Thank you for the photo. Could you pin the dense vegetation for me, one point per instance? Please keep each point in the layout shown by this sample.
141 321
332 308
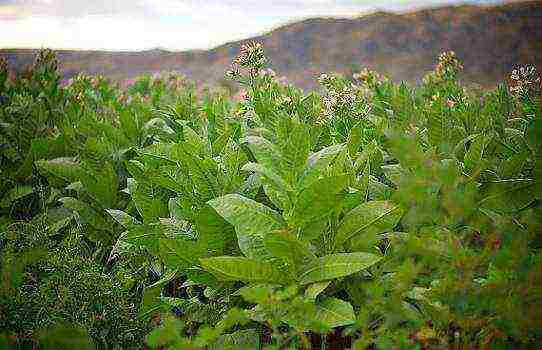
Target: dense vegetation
369 215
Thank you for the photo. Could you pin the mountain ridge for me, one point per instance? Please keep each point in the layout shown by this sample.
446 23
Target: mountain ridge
491 40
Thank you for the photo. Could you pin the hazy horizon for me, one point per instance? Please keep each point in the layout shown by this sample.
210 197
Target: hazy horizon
125 25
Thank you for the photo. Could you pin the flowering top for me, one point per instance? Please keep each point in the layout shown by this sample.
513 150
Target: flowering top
251 55
524 79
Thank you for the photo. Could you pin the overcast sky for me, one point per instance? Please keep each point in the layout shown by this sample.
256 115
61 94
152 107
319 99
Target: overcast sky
169 24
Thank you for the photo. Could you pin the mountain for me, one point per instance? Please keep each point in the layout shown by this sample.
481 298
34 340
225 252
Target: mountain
491 41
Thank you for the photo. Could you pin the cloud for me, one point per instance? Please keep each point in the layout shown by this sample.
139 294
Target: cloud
172 24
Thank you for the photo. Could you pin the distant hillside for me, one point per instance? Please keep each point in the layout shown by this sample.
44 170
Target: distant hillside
490 40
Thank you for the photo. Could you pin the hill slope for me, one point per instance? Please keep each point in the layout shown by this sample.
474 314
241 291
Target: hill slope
490 40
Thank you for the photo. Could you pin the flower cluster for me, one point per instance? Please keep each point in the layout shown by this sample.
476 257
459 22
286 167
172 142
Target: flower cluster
46 60
447 68
369 78
524 79
251 57
341 95
448 61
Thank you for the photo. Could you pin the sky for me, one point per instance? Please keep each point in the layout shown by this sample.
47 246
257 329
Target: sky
130 25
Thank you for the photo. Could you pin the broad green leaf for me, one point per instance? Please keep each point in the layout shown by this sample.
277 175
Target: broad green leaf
474 158
284 245
252 222
178 253
313 290
508 195
16 193
317 163
265 152
233 268
63 170
319 199
146 236
242 339
149 201
126 220
202 171
295 152
98 175
369 219
335 312
214 233
372 153
355 139
273 177
337 265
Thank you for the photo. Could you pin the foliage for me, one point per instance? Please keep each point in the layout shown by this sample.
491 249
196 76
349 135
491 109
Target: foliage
382 214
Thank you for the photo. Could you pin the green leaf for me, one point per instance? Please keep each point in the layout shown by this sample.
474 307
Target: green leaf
14 194
265 152
337 265
317 162
149 201
282 244
64 170
252 222
508 195
369 219
151 302
355 139
313 290
202 171
214 233
126 220
295 152
319 199
335 312
233 268
271 176
474 158
533 134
